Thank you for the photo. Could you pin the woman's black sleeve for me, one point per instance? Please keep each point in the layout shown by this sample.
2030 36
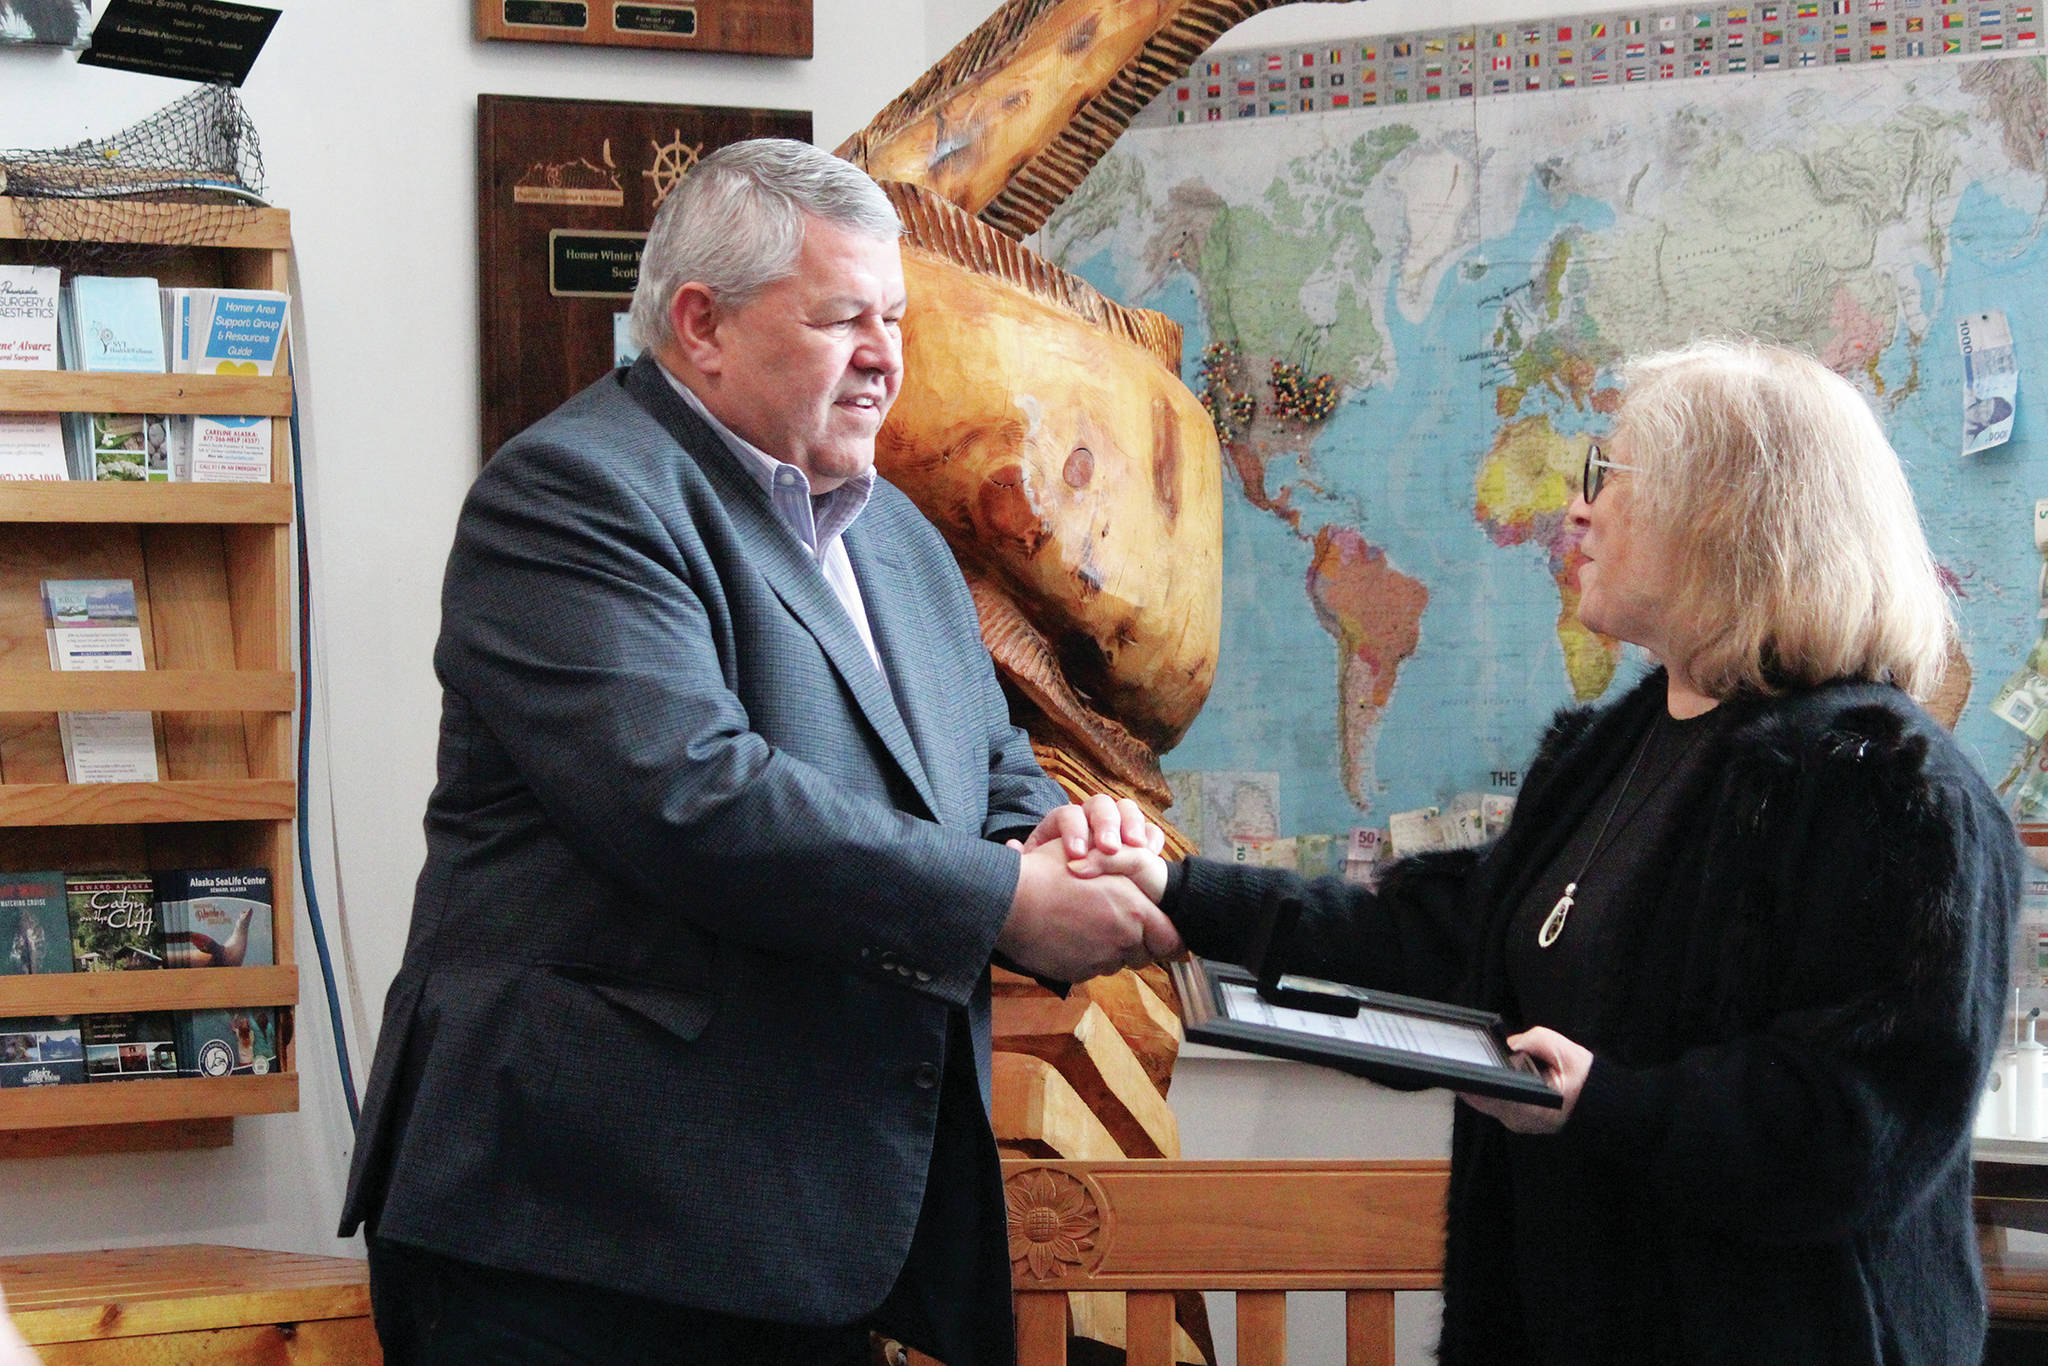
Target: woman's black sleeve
1414 935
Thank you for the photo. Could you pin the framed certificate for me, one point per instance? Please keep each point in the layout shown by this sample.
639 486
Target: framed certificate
566 191
1395 1039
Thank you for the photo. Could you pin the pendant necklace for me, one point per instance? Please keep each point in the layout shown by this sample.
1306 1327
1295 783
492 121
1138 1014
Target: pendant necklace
1553 924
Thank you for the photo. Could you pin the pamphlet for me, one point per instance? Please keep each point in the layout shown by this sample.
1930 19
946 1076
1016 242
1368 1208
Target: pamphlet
35 926
216 917
130 1046
224 332
93 626
113 922
31 444
41 1051
28 317
114 324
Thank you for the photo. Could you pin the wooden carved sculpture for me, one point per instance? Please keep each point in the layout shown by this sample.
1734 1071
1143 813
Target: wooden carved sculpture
1043 427
1045 430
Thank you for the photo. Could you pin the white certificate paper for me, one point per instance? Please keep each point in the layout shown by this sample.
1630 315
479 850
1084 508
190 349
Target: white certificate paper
1377 1028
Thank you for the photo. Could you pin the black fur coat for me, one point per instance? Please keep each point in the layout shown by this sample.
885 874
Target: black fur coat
1790 1039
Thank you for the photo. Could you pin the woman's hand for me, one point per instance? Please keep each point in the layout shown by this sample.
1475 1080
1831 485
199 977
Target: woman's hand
1099 822
1565 1065
1142 866
1105 838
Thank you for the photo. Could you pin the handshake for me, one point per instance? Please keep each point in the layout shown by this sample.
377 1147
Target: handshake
1087 899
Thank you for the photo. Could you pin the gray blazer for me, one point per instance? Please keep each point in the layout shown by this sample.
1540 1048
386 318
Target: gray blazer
702 887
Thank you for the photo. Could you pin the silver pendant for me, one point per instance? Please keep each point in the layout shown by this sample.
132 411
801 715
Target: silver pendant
1553 924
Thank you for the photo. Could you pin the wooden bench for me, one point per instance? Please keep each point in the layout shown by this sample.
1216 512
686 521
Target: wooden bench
192 1304
1145 1229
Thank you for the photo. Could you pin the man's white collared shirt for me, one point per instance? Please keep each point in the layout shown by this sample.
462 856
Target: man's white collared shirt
818 522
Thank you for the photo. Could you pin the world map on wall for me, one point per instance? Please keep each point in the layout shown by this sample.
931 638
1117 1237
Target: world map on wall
1408 322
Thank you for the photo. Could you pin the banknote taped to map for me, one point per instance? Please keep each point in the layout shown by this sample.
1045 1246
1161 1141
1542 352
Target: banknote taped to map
2023 702
1991 380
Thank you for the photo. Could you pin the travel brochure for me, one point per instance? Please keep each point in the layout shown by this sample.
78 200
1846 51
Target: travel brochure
123 922
127 324
93 626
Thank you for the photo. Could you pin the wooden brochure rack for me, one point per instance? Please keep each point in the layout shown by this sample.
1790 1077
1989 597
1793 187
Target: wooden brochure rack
211 565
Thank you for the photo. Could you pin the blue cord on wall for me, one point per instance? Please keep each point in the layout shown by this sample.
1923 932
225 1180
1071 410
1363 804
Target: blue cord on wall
348 1081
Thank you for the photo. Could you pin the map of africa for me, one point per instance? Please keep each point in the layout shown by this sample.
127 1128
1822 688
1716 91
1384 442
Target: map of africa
1399 583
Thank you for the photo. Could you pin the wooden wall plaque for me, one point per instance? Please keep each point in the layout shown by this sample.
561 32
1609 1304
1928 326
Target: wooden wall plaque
566 190
763 28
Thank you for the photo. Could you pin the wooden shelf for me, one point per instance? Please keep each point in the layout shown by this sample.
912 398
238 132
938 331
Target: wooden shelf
248 228
63 500
87 1140
130 1102
212 566
92 993
204 799
69 391
172 690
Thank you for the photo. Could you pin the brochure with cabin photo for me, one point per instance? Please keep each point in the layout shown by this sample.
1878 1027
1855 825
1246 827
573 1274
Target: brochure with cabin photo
113 922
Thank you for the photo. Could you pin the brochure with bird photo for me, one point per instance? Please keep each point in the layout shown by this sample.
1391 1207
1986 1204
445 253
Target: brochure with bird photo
215 917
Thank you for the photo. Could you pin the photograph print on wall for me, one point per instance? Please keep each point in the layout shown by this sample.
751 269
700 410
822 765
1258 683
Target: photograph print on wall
46 23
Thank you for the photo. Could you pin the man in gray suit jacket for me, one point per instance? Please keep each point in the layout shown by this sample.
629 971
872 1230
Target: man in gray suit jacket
688 1056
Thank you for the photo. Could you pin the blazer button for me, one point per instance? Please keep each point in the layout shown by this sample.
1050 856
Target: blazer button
926 1076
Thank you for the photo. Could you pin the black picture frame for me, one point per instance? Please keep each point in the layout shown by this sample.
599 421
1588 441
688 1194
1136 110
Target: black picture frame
1208 1018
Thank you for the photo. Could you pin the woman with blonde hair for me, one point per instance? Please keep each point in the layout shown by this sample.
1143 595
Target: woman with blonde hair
1752 918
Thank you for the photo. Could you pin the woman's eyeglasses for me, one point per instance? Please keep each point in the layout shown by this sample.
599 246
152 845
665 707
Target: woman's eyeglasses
1595 473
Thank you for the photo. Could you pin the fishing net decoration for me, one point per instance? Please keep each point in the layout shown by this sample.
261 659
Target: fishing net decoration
196 162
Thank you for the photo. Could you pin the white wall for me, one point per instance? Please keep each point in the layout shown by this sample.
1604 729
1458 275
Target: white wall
366 110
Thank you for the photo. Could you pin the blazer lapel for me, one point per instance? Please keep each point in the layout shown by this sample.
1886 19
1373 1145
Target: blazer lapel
789 569
895 602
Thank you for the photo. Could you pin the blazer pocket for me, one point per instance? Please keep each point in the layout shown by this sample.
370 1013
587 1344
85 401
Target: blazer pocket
682 1013
674 1010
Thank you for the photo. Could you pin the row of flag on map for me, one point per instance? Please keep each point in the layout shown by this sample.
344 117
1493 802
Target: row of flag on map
1618 48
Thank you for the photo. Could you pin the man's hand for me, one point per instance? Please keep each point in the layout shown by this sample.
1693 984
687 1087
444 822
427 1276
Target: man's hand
1071 929
1101 822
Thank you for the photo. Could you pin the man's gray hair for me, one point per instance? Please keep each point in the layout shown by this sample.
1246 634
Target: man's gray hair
736 223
